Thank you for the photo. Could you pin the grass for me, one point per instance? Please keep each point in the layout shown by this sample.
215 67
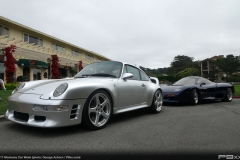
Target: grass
237 89
4 96
3 102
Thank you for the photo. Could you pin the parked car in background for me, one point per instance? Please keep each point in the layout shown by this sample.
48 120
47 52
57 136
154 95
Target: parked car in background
193 89
91 97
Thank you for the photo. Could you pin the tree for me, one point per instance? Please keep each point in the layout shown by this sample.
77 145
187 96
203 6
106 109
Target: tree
188 72
10 63
228 65
80 67
181 62
55 67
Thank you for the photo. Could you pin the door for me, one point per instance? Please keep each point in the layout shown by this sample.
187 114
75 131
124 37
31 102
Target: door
131 91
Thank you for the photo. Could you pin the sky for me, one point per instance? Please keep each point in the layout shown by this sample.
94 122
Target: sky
148 33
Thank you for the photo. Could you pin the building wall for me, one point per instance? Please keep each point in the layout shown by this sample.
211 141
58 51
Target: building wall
35 52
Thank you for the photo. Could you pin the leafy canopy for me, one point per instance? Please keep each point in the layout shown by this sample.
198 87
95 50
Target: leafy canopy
188 72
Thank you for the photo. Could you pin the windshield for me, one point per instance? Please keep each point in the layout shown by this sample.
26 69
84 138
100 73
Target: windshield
185 81
104 69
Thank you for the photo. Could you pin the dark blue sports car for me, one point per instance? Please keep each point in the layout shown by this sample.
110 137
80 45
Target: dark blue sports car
193 89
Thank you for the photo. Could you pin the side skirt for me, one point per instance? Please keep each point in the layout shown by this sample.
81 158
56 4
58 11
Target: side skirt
129 108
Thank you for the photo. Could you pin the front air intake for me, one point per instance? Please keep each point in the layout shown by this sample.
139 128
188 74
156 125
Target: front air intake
21 116
74 111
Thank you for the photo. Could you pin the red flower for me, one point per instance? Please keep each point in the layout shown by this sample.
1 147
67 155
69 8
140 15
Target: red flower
10 63
80 67
55 67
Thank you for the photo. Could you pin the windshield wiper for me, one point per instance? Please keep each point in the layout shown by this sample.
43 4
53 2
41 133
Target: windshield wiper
103 74
97 74
83 76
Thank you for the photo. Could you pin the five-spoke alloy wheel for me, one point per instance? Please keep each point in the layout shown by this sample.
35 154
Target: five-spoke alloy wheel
97 110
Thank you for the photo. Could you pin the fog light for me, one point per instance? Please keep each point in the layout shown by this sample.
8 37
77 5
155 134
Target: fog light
39 108
50 108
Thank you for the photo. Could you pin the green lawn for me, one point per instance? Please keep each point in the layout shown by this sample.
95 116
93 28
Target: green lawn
237 89
4 95
3 102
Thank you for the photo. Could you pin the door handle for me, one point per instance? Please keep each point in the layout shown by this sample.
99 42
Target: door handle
143 85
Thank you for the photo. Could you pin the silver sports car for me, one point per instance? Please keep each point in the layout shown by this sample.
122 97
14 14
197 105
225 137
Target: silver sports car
90 97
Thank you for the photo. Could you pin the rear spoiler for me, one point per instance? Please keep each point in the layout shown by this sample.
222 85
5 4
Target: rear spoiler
154 80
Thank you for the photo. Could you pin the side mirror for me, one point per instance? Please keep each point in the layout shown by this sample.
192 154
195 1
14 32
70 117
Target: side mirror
202 84
127 76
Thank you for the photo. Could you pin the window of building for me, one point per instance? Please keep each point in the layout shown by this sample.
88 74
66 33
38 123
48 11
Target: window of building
4 31
75 53
36 74
32 39
89 57
40 42
98 60
58 47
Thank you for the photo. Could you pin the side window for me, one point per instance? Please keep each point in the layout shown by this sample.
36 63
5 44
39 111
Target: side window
134 71
144 76
205 81
125 69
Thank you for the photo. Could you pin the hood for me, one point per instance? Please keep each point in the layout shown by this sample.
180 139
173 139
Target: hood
48 86
172 88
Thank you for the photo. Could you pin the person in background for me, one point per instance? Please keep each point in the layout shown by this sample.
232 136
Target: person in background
2 85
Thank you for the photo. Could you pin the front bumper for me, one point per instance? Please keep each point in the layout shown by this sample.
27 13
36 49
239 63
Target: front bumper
175 97
20 110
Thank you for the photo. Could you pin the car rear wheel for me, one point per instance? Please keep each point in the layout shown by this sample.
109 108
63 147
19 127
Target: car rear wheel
97 110
193 98
229 95
157 102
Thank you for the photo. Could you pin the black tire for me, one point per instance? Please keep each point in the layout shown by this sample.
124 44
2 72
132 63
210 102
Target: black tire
157 102
193 98
97 110
229 95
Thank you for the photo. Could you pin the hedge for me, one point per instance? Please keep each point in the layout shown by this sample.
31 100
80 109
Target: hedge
10 86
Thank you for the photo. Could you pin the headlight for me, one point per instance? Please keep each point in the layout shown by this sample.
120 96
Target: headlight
19 87
50 108
177 90
60 89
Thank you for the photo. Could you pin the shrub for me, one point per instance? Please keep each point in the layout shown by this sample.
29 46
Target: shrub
11 86
20 78
234 78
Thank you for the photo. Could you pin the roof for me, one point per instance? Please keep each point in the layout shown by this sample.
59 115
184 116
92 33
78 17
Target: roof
213 58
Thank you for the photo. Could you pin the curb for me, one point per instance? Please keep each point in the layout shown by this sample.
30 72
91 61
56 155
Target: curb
1 116
236 97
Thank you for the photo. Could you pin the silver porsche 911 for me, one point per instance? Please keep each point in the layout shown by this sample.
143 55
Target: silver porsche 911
90 97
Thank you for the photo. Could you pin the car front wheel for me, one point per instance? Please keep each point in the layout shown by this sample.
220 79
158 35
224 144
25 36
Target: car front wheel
157 102
97 110
193 98
229 95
